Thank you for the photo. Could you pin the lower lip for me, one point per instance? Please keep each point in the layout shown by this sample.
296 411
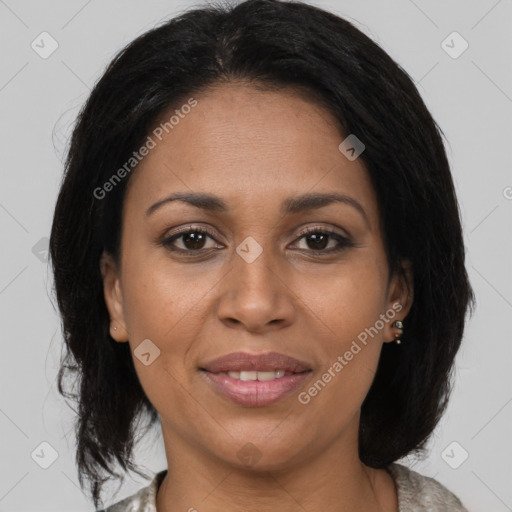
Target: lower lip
255 393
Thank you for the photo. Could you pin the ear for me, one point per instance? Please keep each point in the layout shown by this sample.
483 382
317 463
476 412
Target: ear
400 298
113 297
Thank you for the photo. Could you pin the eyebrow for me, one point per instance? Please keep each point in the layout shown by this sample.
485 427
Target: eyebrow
291 205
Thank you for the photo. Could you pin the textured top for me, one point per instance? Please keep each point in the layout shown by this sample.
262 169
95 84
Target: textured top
416 493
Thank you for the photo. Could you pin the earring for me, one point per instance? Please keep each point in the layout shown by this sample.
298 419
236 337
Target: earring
398 324
115 328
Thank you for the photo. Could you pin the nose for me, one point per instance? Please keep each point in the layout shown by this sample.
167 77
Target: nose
255 296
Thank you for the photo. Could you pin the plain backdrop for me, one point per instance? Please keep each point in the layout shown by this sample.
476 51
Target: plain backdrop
468 93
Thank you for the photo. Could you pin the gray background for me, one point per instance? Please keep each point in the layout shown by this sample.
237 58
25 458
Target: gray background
471 98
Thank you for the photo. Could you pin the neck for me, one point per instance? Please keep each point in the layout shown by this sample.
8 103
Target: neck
334 479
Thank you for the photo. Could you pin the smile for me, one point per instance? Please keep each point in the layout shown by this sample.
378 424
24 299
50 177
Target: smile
255 389
261 376
255 380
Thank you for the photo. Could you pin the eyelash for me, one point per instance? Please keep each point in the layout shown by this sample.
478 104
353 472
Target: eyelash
343 242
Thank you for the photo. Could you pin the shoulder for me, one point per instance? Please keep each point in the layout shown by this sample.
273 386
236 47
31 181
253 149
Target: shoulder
420 493
144 500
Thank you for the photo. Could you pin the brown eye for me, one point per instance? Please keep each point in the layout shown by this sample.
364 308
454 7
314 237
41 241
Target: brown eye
192 239
318 240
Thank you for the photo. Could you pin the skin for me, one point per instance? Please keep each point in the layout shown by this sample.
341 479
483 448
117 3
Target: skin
253 149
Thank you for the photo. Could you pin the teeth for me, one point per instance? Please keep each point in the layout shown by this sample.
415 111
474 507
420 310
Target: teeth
270 375
252 375
248 375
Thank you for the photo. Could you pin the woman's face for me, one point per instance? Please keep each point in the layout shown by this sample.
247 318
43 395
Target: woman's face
256 282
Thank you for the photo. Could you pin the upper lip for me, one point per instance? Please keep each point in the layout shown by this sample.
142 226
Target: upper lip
244 361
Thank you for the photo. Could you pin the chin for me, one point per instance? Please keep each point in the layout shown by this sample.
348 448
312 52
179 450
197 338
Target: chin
261 455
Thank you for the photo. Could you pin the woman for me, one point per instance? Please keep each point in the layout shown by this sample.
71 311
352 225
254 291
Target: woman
257 247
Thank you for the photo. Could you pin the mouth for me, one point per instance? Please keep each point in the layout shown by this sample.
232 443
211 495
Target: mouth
255 380
261 376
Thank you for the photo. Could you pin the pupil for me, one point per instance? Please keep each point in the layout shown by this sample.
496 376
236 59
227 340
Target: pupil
316 241
197 239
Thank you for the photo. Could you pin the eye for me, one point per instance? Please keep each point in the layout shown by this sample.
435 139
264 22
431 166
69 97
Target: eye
317 240
192 239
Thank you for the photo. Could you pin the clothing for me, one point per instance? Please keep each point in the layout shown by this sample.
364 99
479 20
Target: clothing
416 493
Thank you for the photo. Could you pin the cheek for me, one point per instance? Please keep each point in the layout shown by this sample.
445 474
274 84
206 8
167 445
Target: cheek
346 306
161 298
165 303
344 301
159 307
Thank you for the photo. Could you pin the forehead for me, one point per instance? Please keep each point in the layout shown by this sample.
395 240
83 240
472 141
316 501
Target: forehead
251 145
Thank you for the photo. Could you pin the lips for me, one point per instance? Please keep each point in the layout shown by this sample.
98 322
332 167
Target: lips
256 380
246 362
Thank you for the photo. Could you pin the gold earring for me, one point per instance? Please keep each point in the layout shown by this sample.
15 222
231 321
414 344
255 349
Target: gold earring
398 324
